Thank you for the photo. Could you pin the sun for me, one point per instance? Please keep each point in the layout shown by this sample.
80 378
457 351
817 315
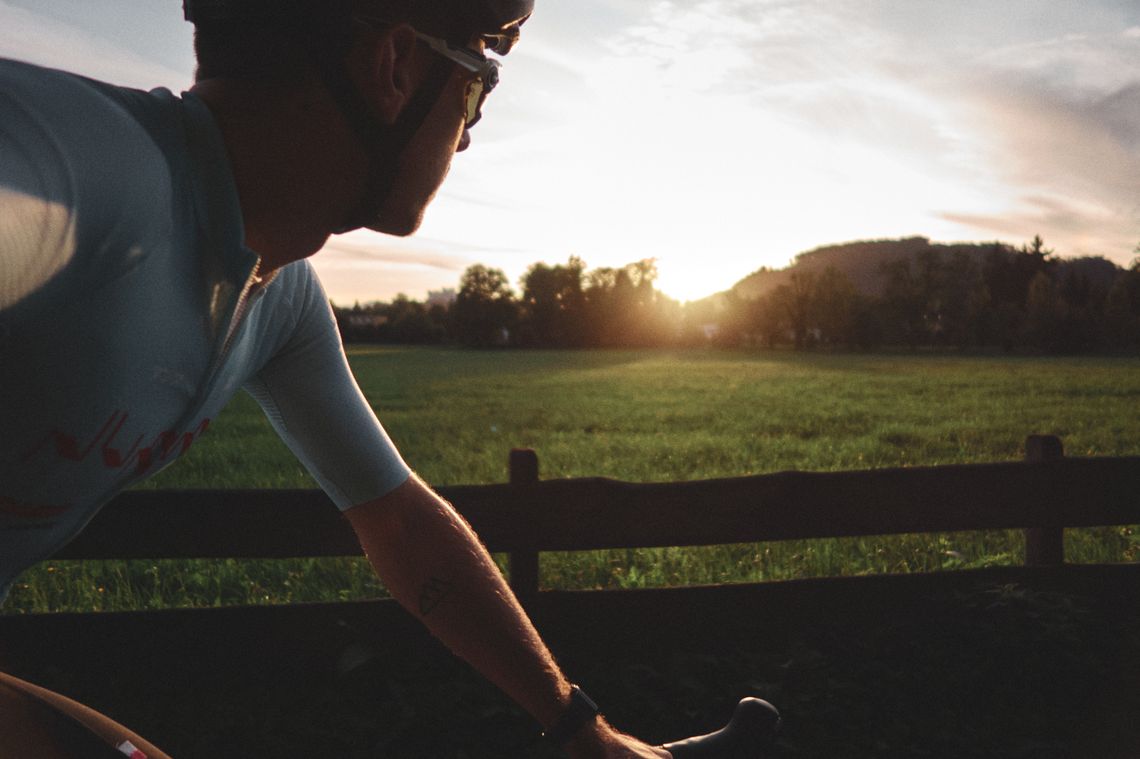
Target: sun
689 283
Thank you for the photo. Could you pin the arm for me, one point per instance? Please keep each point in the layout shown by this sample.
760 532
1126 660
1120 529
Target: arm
423 551
434 565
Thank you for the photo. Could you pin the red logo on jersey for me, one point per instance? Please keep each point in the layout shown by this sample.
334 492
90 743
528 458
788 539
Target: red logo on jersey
29 510
71 448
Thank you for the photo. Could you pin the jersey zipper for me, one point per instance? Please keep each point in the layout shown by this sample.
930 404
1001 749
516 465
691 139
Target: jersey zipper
235 320
211 379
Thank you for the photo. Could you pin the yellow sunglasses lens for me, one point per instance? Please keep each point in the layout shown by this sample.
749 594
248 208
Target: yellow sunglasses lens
474 100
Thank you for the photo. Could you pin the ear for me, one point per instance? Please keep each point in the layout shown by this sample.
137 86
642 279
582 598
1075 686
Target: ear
384 66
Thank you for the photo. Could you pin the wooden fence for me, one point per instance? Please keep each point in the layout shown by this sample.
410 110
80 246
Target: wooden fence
1042 495
255 660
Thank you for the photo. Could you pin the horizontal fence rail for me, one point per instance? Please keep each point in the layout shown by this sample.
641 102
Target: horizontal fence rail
1043 495
596 513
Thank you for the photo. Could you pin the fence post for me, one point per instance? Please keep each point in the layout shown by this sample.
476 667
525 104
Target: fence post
524 564
1044 546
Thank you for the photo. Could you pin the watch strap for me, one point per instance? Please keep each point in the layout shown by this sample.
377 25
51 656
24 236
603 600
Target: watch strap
581 711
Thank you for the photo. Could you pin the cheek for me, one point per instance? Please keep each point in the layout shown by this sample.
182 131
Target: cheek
450 137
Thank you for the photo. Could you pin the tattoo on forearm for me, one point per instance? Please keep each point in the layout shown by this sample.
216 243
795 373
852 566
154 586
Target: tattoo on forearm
433 593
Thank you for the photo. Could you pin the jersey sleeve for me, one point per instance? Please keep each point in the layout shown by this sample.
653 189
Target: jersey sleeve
311 398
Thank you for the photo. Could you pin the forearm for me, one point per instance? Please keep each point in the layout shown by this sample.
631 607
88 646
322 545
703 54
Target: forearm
434 565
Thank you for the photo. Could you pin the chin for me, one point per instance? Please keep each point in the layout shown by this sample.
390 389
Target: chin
398 227
400 222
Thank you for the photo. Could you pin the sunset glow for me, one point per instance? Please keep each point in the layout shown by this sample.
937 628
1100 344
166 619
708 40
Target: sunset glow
719 136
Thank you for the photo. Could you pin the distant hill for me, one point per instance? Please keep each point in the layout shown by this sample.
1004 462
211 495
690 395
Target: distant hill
863 263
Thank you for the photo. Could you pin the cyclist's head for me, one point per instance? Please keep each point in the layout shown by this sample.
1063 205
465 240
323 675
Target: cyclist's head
284 40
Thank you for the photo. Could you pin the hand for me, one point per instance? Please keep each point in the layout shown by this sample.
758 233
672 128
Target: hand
603 742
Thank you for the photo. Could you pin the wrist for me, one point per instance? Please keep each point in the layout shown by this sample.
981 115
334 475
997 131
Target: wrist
592 740
579 718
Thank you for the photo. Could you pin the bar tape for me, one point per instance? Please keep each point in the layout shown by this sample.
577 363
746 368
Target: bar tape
128 748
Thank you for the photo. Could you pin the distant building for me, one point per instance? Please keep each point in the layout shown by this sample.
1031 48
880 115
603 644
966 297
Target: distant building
366 320
443 297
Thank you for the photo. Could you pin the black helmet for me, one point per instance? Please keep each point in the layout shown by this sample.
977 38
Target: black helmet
505 16
496 21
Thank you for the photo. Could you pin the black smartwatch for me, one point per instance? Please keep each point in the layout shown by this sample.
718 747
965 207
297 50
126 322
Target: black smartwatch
581 711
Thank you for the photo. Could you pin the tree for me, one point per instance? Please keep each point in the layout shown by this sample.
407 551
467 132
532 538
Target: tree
834 303
1122 309
553 304
1045 314
796 301
768 318
963 298
1008 272
485 310
624 308
410 322
603 318
904 303
733 319
1037 249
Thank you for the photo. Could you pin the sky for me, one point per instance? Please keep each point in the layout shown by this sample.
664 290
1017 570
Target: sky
720 136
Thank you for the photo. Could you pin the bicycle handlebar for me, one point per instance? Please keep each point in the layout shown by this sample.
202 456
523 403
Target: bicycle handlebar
748 734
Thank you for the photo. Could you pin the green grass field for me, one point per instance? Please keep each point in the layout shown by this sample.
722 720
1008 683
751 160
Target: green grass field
652 416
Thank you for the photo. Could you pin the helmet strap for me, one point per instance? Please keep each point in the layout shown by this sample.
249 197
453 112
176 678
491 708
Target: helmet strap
384 143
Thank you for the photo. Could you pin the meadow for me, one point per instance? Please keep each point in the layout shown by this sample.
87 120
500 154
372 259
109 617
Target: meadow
652 416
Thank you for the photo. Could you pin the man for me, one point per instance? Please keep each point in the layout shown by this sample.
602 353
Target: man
152 263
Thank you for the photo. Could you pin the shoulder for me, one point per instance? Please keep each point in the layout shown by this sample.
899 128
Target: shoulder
67 134
303 295
292 307
299 288
82 173
42 102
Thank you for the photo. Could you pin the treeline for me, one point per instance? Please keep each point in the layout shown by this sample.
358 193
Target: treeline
403 321
974 297
913 295
560 306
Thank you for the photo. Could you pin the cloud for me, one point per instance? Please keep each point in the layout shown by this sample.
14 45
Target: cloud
752 45
364 266
1045 126
1049 216
1087 63
353 253
1079 148
1071 158
1119 113
476 198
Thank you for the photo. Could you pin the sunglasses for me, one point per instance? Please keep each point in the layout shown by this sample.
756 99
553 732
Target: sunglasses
478 88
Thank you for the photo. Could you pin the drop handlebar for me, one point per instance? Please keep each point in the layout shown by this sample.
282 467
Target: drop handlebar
748 735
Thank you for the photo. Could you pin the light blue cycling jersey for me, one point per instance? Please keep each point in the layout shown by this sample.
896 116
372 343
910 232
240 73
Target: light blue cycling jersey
130 312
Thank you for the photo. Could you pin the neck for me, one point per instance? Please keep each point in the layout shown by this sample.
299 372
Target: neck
295 163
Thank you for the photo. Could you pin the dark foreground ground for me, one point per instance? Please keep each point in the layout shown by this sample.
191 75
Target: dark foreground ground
1018 663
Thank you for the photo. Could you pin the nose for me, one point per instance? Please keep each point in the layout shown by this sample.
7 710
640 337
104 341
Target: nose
464 141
